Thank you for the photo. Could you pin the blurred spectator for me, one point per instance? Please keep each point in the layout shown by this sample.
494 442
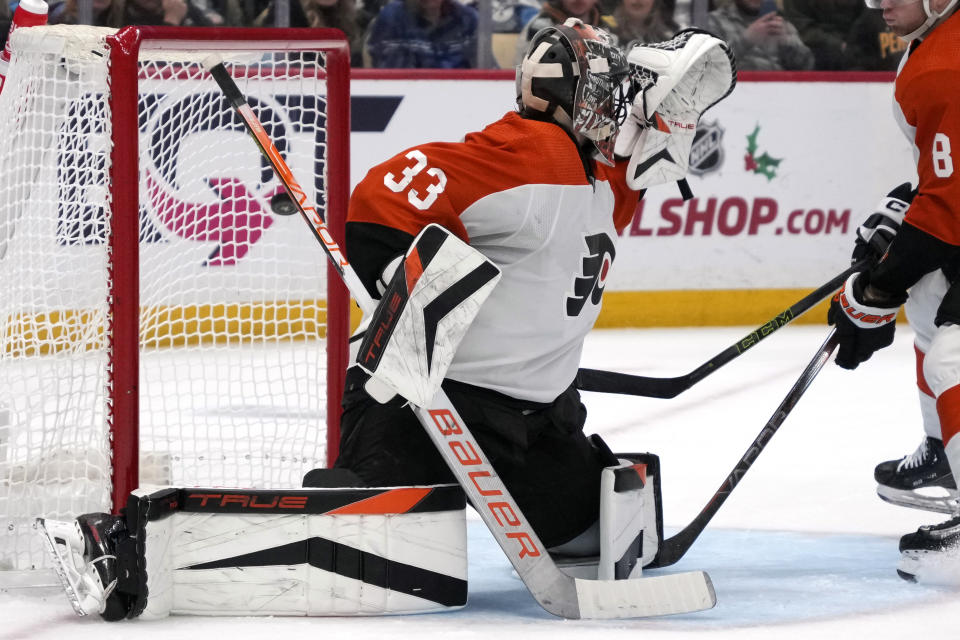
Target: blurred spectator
510 16
823 26
423 34
764 42
367 10
106 13
6 16
872 46
118 13
556 12
169 12
336 14
244 13
643 21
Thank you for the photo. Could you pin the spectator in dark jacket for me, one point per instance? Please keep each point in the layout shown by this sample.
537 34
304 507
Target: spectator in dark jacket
424 34
824 26
872 46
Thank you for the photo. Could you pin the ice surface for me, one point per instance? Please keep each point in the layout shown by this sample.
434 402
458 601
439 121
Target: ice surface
802 549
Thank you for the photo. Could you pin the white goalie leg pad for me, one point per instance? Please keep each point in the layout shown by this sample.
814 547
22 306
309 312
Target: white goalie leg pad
423 315
679 80
305 552
631 524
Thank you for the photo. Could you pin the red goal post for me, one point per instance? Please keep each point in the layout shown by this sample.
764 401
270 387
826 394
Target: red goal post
161 319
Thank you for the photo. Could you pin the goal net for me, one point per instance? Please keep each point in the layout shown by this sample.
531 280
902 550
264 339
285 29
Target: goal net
163 318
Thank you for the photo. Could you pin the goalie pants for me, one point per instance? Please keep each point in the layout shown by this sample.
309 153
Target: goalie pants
539 451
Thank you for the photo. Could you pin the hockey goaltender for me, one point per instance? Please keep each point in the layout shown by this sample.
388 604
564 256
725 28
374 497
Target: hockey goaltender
480 267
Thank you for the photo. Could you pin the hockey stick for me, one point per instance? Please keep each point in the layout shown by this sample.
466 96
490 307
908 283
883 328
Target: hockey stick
557 592
673 548
613 382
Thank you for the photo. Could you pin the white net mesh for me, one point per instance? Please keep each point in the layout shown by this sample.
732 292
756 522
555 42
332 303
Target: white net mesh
232 295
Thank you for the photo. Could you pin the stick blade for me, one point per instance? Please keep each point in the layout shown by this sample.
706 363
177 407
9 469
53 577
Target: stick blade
646 597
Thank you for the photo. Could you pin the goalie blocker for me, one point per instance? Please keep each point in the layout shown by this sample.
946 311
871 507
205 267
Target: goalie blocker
341 551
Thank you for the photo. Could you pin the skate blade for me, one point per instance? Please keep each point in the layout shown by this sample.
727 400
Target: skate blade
938 568
947 502
60 566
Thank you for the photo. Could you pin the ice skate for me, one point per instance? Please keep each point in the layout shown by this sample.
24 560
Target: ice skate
921 480
932 554
83 552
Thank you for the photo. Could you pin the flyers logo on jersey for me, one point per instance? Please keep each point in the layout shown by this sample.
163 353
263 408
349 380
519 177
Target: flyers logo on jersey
594 269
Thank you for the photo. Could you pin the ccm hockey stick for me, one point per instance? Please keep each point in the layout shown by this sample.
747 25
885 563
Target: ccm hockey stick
673 548
556 591
612 382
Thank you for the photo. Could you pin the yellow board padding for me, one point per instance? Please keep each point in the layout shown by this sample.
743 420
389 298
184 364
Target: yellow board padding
46 333
705 308
247 323
233 324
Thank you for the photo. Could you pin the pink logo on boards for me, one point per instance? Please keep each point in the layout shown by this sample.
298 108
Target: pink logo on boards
235 222
204 181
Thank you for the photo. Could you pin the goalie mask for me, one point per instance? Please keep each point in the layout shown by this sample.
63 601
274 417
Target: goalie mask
574 75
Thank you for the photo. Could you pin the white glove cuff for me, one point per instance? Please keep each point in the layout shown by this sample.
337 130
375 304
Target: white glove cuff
862 315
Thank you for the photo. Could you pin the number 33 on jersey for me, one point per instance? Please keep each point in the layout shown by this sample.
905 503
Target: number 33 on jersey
419 165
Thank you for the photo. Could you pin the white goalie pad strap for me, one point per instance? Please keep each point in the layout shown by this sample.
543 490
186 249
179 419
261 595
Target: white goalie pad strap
309 552
630 521
65 543
426 310
864 316
680 79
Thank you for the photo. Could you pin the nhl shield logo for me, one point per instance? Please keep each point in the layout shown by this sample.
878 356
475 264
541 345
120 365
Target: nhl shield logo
706 154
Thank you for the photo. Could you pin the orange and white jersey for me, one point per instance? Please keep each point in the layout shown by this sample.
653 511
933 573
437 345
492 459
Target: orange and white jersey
927 94
517 192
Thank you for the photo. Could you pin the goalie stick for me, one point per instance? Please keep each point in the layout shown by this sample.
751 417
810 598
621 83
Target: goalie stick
673 548
555 591
627 384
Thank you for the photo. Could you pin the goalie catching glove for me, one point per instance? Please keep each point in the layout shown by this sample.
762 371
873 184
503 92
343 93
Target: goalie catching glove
675 83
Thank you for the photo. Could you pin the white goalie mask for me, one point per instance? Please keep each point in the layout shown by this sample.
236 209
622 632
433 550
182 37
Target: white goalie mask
574 75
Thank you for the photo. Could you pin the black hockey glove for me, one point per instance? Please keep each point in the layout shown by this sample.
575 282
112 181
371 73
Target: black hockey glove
880 227
861 327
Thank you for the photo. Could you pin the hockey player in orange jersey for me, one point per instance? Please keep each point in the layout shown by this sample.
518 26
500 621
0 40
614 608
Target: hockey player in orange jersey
919 266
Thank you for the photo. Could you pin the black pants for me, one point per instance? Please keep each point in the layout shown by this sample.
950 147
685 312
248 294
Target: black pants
538 450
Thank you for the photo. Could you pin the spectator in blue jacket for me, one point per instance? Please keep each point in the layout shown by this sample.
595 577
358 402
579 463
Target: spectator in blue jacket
424 34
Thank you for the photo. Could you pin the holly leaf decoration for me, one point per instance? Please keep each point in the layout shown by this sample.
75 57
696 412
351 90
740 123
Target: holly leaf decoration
767 165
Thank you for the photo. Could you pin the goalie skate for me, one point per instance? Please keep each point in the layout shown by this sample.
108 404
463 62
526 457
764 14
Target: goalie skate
83 558
921 480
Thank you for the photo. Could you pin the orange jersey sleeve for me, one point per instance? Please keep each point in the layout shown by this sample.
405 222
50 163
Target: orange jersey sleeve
626 199
928 92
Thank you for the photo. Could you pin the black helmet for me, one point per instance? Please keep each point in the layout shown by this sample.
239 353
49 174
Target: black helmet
574 75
